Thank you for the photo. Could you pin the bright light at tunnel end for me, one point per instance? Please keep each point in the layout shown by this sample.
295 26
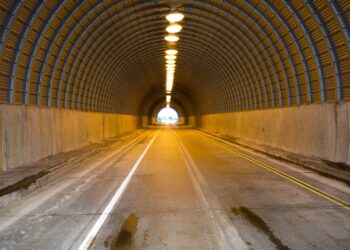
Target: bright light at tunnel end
168 115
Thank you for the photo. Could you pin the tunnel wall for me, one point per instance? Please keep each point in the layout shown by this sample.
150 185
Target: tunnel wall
314 131
32 133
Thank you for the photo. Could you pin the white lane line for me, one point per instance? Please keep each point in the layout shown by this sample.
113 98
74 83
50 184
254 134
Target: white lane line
34 200
94 230
229 236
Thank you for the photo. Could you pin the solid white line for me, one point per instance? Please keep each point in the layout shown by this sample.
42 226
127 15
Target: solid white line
229 236
94 230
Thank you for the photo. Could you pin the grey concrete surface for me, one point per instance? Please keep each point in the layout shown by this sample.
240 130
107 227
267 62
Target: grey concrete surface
28 134
18 182
320 131
187 193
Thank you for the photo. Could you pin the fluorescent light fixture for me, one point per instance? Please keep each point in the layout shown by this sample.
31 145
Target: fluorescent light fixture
170 57
171 52
171 38
174 17
168 98
172 62
169 87
174 28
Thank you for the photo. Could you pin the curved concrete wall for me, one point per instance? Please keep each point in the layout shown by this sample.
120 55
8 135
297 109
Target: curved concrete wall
315 131
32 133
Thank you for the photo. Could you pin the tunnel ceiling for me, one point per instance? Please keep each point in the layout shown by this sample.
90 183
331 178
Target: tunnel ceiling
108 56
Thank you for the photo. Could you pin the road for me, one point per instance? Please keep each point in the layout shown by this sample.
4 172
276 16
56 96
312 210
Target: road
180 189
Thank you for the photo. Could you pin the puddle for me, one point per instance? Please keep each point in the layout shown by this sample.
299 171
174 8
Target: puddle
125 237
260 224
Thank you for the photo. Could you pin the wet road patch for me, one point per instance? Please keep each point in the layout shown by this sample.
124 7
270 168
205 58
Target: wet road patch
125 237
260 224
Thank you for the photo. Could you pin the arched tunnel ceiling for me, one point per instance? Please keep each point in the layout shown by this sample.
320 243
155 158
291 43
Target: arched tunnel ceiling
108 56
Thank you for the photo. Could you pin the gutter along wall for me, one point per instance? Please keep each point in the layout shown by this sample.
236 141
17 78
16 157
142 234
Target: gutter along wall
32 133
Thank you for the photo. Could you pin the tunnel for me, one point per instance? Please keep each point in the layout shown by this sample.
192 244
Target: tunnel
258 159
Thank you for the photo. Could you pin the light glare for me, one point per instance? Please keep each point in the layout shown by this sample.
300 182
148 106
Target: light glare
174 17
171 38
174 28
170 57
171 52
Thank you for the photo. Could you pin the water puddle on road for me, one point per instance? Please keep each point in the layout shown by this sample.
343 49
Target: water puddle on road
125 237
260 224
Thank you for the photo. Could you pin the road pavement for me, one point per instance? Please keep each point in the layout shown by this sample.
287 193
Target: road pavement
180 189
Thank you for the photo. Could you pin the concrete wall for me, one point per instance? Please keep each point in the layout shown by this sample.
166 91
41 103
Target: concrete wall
317 131
32 133
192 121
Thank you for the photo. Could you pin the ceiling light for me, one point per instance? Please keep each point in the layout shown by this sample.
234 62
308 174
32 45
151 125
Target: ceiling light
171 57
174 28
168 98
169 87
174 17
169 61
171 52
171 38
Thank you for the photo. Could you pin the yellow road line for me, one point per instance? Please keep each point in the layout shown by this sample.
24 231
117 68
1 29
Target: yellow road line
288 177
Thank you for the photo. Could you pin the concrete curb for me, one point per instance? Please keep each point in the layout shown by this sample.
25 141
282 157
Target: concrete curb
22 181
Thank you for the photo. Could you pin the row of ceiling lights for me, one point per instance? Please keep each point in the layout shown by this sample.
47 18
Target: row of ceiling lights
173 28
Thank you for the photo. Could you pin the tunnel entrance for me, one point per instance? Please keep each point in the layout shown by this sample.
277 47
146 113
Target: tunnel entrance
167 115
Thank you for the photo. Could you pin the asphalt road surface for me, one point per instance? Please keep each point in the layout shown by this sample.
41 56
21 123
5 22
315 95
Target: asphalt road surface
180 189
